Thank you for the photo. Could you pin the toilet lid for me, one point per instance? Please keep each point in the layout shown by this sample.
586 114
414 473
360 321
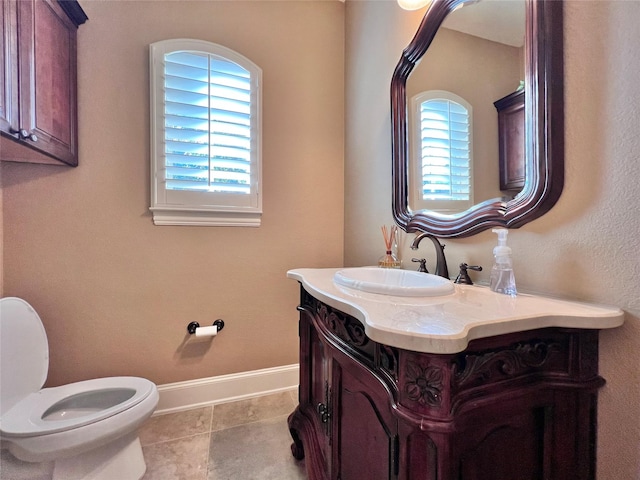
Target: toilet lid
24 352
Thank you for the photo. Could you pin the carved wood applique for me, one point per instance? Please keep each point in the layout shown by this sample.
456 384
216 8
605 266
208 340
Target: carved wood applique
344 326
388 360
509 362
424 385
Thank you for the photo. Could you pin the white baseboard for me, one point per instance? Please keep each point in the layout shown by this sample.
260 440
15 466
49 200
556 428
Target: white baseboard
175 397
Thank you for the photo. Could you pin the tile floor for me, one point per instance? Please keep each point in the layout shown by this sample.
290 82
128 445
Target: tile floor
243 440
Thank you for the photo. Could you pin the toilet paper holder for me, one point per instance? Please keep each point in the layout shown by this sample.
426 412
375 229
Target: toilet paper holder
191 328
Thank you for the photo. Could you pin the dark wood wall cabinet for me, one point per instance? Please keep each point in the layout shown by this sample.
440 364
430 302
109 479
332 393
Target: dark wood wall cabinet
519 406
511 141
38 81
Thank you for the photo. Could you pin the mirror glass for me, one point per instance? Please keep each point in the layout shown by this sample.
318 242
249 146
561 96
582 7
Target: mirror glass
476 143
477 57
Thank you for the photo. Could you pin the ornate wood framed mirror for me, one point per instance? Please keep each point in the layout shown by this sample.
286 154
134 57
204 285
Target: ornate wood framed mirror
543 142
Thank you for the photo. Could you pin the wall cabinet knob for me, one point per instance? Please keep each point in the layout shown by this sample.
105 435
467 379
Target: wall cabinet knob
25 134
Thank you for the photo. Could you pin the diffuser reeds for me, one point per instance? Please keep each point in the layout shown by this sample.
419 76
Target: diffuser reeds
389 259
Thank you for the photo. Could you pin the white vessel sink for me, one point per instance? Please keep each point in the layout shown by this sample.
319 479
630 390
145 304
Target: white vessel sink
391 281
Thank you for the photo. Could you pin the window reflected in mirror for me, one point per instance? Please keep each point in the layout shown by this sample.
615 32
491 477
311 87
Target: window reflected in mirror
441 146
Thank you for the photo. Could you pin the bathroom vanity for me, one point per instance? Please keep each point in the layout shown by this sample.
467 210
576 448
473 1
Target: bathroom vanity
470 385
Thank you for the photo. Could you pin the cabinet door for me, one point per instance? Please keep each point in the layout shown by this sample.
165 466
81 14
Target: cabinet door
310 423
507 441
8 68
510 450
47 56
511 141
320 392
365 443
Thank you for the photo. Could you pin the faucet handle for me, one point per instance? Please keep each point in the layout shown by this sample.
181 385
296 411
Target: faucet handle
423 264
463 276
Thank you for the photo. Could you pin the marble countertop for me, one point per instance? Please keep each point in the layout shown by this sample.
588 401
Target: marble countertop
446 324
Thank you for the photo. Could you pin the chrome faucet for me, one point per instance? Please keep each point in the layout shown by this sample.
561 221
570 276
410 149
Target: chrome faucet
441 261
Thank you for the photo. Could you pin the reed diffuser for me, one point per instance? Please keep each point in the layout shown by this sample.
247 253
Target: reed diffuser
389 259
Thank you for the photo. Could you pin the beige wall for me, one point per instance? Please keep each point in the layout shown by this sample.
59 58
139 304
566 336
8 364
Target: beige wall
116 292
587 246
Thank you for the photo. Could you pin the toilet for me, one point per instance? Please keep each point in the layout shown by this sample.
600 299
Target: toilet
88 429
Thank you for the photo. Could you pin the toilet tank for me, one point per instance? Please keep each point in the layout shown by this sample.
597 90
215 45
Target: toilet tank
24 352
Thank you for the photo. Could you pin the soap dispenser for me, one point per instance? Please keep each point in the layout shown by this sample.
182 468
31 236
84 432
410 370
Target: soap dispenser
502 278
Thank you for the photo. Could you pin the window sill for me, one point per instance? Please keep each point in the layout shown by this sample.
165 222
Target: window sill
164 216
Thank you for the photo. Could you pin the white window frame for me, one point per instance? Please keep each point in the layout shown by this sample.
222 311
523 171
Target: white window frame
176 207
417 201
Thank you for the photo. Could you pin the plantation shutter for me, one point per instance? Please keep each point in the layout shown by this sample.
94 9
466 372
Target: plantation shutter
207 124
445 153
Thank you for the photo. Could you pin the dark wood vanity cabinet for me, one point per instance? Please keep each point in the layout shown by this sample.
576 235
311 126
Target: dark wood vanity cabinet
38 75
520 406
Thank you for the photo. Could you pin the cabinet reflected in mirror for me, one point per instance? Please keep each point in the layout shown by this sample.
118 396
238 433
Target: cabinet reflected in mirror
475 56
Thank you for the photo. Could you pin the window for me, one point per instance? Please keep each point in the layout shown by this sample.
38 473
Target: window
442 155
205 135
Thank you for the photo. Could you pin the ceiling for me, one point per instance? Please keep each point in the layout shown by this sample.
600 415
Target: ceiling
501 21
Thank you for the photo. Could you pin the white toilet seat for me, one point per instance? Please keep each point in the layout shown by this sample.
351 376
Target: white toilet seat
75 441
26 418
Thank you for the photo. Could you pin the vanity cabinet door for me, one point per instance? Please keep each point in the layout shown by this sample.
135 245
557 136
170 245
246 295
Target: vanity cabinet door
509 442
320 393
38 110
365 442
545 435
310 423
344 426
